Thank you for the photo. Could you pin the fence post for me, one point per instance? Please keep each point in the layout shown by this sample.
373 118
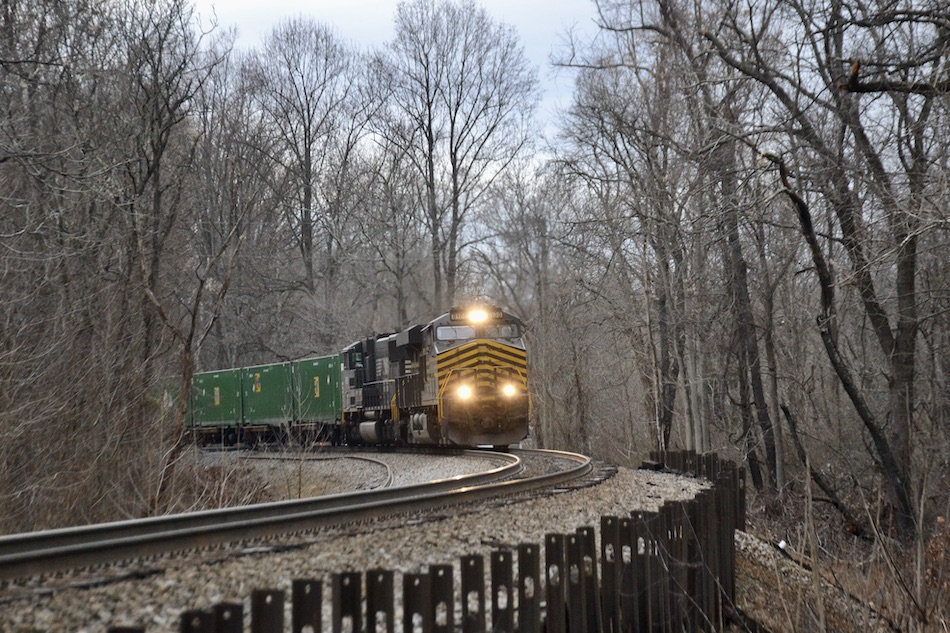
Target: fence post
588 536
502 602
669 563
228 618
380 590
555 573
443 598
529 588
575 591
347 601
416 603
693 547
706 559
196 622
729 513
610 571
473 594
306 599
267 611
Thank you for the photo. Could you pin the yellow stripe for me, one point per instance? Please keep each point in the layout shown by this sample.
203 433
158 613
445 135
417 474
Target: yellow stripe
482 362
487 355
490 351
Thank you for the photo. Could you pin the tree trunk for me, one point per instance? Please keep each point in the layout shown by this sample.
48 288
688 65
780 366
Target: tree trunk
738 280
895 471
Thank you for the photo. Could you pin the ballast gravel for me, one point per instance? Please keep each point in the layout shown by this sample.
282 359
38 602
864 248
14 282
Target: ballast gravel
163 589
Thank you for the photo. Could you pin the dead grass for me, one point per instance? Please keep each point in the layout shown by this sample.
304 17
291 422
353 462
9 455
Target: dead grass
199 487
906 584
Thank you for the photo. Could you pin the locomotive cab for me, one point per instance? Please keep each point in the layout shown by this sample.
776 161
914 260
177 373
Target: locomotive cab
482 384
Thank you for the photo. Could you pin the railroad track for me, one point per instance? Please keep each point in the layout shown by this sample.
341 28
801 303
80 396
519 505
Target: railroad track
387 481
35 553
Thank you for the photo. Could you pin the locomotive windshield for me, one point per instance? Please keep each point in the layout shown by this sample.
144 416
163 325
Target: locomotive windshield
455 332
468 332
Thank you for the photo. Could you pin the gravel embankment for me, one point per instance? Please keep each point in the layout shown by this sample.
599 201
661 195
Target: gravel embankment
315 475
407 545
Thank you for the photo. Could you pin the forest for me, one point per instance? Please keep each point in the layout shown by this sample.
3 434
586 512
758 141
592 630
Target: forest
736 241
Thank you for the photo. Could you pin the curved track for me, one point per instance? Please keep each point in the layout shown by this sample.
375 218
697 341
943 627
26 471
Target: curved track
57 550
388 481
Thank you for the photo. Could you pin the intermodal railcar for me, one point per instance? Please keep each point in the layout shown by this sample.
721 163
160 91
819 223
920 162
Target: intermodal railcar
460 379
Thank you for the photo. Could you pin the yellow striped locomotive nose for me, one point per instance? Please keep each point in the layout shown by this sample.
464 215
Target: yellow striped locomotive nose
483 392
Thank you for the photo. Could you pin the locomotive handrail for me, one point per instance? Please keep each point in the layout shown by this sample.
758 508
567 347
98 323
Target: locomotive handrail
67 548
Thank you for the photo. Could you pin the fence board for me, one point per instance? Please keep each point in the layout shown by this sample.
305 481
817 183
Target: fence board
592 601
529 588
380 592
610 572
267 611
575 592
306 599
443 598
502 600
347 589
473 594
554 573
196 622
228 617
416 603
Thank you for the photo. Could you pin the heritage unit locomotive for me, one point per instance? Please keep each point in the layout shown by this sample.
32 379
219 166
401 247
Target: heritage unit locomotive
460 379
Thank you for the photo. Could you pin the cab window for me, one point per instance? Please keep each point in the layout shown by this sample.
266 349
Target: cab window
504 330
455 332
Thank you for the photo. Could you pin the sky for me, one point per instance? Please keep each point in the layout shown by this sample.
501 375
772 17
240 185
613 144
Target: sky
542 26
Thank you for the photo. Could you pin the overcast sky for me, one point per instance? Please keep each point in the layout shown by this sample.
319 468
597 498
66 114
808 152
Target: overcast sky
541 24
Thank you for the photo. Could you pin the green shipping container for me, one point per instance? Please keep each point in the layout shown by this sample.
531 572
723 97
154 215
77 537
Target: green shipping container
317 385
216 398
268 398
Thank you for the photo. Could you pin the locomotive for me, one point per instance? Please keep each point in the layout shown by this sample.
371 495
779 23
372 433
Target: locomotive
460 379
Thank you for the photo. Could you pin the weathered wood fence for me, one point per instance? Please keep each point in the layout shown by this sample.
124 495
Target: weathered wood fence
669 571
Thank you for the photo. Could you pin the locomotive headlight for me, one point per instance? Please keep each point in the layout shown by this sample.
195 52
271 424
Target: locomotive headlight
477 316
509 390
464 392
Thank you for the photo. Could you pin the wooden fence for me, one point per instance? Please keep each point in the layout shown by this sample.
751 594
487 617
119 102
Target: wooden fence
669 571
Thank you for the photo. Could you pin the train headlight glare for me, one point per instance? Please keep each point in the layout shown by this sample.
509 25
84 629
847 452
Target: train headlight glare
509 390
477 316
464 392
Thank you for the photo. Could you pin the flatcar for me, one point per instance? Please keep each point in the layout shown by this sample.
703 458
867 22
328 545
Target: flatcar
460 379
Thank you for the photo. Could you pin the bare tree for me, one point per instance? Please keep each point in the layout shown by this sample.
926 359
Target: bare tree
630 139
461 83
848 100
391 231
864 158
229 190
95 172
303 80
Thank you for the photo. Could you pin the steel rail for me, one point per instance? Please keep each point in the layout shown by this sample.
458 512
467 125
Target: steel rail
67 548
71 548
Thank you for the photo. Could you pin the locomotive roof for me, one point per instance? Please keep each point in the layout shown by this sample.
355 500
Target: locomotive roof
455 315
452 316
